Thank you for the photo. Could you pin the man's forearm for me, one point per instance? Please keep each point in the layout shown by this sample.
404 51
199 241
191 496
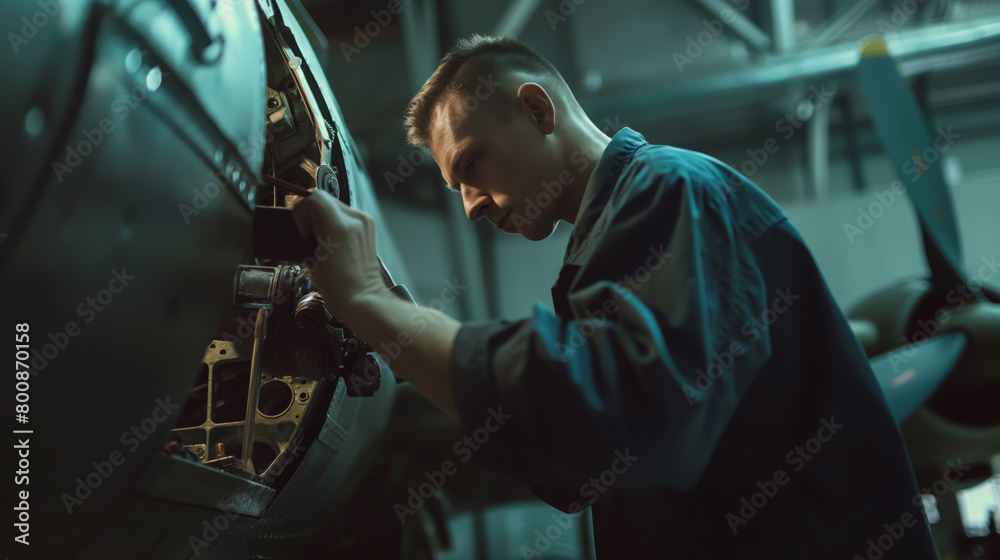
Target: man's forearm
425 337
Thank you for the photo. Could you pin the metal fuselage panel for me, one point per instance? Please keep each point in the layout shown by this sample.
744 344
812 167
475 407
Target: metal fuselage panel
122 241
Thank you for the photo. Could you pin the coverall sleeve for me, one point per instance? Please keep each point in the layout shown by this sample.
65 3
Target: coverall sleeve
668 295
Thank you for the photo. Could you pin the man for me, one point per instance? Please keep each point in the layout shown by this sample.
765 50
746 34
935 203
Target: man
697 385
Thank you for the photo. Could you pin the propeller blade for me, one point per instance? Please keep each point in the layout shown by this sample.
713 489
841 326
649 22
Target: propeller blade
910 374
910 146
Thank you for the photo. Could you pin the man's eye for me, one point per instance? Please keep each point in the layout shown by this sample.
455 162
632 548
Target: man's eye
472 163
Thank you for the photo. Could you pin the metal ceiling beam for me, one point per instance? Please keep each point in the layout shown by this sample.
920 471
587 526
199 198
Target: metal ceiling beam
420 34
783 25
840 22
950 45
741 25
818 150
515 17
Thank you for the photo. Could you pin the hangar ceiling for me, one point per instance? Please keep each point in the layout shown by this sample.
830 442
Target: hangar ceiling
678 70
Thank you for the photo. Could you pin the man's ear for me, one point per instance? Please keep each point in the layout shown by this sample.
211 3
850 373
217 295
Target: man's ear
539 104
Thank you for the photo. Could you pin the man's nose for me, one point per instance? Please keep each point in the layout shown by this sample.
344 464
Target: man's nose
476 202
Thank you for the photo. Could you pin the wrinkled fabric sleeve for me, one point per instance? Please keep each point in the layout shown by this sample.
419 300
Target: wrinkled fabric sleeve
670 288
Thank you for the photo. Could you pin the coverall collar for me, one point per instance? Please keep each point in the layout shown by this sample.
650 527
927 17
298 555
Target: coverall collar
603 182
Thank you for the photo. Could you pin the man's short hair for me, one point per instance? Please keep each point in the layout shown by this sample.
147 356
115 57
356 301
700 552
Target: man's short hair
471 60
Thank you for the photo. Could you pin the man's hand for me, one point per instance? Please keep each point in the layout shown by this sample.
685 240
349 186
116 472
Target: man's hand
351 270
350 281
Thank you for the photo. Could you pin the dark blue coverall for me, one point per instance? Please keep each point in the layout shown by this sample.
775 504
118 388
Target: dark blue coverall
698 385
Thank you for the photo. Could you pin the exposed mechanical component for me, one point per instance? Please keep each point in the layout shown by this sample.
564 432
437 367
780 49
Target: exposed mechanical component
212 425
299 142
201 81
253 390
277 345
320 338
326 179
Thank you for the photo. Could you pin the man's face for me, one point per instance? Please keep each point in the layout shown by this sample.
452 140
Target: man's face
498 156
